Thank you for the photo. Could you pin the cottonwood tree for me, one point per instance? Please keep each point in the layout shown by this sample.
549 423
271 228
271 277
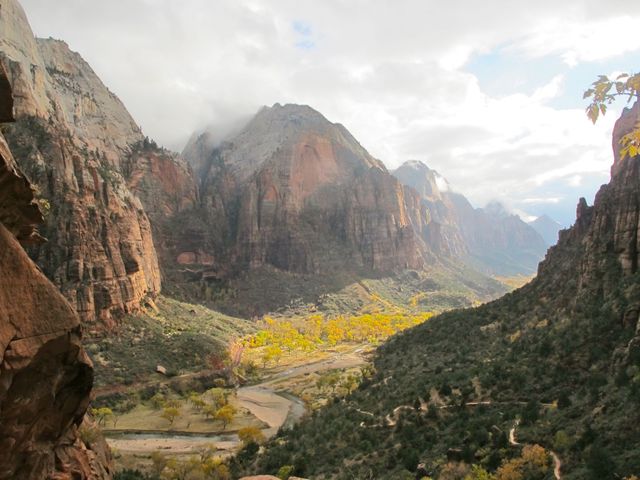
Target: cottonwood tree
225 415
170 414
249 435
102 414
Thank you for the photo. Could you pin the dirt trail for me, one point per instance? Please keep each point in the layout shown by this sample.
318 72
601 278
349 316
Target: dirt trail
175 445
557 463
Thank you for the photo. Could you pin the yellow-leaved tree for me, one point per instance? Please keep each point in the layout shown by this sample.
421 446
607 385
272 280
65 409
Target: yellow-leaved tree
605 91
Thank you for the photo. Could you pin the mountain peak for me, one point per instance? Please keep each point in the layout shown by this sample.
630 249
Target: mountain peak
428 182
290 119
496 209
547 227
286 128
416 165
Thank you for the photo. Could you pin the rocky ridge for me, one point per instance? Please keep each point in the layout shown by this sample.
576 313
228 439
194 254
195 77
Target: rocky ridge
72 137
45 375
490 239
297 192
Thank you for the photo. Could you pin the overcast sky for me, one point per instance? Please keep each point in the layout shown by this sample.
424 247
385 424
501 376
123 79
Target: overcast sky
489 93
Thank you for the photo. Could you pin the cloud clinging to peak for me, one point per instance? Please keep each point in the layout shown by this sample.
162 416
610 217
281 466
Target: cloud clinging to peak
487 93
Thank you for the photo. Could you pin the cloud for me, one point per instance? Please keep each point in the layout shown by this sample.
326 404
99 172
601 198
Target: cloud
396 74
579 41
542 200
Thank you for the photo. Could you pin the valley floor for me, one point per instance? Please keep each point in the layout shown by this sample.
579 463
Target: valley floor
268 405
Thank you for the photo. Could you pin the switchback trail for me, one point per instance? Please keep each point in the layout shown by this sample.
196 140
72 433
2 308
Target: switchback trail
557 463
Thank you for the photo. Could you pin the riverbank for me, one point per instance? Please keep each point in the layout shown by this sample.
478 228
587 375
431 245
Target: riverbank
269 405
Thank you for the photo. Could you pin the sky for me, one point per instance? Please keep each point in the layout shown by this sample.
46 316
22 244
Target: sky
487 93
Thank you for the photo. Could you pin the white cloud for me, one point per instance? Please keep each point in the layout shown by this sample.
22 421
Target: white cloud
391 72
542 200
579 41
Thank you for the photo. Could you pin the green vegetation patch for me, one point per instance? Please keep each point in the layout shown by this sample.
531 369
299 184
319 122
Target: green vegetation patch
178 336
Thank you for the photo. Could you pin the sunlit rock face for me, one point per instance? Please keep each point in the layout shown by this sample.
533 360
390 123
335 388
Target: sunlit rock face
491 239
72 138
297 192
45 375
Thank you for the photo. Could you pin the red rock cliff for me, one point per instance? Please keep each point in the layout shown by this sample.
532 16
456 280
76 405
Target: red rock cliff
45 375
72 137
295 191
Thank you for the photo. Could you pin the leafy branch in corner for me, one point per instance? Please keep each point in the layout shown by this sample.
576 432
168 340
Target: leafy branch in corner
603 92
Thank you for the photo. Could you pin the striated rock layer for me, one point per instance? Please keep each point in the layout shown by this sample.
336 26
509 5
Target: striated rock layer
490 239
45 375
297 192
72 137
443 232
167 188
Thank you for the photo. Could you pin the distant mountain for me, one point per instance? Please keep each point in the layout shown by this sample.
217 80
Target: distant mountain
442 233
290 193
491 239
297 192
547 228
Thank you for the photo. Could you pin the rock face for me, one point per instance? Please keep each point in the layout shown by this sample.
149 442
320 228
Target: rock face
297 192
166 186
45 375
442 233
547 228
72 138
595 262
605 235
491 239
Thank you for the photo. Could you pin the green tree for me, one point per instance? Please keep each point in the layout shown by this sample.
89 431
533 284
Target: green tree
102 414
159 461
157 401
249 435
561 441
209 411
285 472
225 415
479 473
170 414
600 463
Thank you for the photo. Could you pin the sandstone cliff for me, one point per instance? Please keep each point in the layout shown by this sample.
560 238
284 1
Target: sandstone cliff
442 233
297 192
490 239
72 137
45 375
